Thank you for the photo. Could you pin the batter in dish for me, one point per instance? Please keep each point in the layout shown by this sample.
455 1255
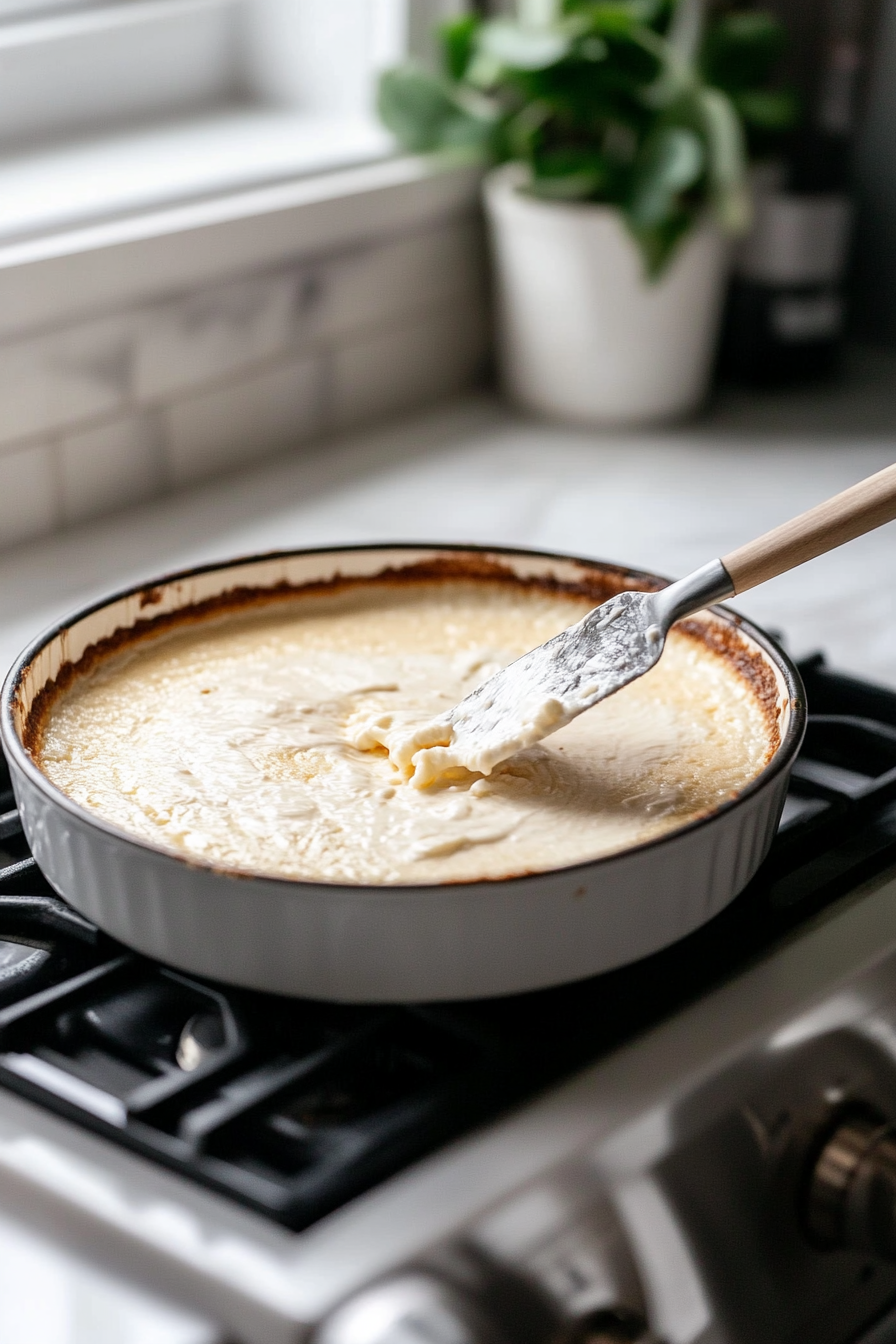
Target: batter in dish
253 741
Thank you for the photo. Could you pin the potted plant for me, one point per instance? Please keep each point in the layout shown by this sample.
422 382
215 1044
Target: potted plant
619 128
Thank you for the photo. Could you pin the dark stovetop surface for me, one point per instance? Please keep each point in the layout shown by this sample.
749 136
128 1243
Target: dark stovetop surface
293 1107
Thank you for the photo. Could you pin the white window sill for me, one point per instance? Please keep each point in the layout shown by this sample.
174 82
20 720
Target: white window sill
88 228
232 148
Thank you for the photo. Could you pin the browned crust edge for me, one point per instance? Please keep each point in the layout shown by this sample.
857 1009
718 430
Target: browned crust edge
597 585
727 641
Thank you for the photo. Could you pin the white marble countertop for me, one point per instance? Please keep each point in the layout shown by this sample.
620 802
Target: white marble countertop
477 471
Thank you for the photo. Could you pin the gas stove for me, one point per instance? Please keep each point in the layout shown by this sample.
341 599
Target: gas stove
693 1148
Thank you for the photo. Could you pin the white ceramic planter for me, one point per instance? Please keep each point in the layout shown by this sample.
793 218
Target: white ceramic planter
582 334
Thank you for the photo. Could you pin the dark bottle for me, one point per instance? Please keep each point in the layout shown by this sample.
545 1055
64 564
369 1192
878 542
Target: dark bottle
786 309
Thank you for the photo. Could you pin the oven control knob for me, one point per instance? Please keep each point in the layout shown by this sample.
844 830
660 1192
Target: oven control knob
851 1193
412 1309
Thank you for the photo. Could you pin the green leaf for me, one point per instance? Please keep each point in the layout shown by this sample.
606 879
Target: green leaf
592 48
670 75
458 38
768 109
742 50
726 160
671 161
570 174
424 113
415 106
659 244
584 186
522 130
523 47
614 21
618 14
484 72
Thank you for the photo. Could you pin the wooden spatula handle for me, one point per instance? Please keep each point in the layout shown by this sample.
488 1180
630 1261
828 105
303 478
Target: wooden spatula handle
859 509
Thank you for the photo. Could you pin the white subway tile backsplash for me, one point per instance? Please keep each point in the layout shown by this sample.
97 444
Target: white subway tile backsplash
405 275
410 364
110 466
52 381
28 503
121 407
202 337
234 423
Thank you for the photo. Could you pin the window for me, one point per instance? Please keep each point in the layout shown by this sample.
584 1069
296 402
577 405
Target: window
107 109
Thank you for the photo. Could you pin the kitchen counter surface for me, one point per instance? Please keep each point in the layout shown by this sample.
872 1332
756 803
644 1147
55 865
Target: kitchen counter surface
477 471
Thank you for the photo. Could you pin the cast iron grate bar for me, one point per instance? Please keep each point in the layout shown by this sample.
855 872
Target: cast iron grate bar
293 1107
23 876
290 1136
10 824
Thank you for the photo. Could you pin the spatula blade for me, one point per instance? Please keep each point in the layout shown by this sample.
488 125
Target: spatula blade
547 687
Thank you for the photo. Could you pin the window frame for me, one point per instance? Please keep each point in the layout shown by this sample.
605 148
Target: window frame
113 108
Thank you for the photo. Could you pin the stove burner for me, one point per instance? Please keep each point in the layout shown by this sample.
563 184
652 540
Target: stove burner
294 1107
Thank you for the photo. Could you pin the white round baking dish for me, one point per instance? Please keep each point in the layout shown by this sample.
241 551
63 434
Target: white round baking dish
389 943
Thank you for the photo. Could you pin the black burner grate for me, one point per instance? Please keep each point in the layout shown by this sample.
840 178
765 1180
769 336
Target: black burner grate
294 1107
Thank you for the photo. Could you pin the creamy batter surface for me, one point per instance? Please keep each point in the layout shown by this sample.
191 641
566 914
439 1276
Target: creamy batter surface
255 741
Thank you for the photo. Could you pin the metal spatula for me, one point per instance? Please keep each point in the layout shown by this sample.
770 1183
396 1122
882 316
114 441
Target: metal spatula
624 637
